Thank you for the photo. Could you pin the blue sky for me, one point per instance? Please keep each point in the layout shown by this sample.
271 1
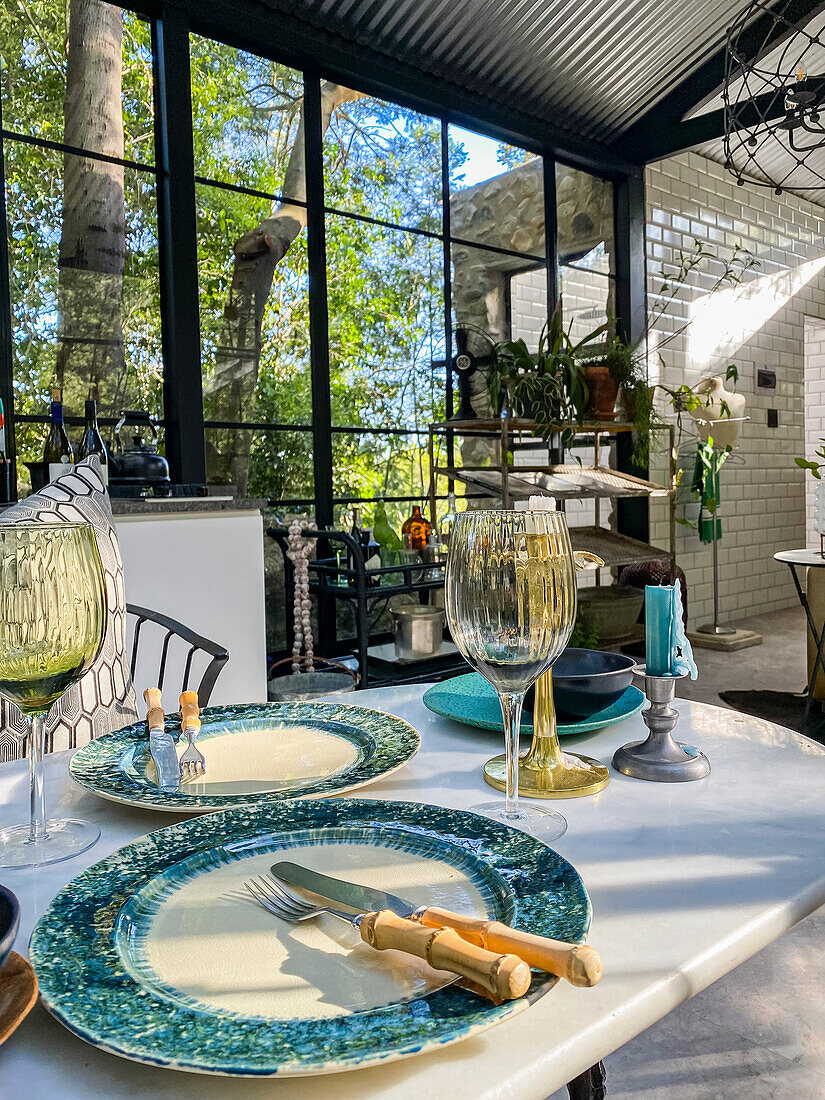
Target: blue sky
481 163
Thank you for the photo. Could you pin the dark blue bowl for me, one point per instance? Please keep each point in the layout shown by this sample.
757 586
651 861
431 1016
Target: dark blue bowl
588 680
9 920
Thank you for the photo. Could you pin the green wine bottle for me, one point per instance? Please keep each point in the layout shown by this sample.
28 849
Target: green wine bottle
91 442
57 454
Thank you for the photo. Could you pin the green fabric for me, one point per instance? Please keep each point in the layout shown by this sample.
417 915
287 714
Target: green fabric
706 484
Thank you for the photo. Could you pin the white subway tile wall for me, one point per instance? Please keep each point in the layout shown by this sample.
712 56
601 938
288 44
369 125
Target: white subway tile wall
814 411
759 324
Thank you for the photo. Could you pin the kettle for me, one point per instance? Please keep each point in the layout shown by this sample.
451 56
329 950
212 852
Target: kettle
139 463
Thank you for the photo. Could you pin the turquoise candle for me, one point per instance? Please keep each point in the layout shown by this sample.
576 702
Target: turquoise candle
658 620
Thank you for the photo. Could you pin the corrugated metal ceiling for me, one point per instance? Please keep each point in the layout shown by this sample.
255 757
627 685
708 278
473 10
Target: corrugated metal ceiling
593 66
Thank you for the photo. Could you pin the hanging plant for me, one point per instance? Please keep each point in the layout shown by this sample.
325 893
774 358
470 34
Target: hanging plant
548 385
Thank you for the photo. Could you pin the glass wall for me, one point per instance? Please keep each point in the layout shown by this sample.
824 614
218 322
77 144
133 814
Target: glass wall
78 144
498 247
584 213
385 292
250 188
432 234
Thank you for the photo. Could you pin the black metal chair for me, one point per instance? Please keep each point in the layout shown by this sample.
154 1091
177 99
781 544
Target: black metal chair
173 629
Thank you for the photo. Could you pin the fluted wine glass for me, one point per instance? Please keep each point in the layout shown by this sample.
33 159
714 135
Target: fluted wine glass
52 624
510 596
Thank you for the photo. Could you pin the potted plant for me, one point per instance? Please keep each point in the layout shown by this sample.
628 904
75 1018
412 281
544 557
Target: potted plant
605 375
548 385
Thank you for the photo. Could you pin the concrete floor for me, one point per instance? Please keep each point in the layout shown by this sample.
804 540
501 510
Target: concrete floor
777 665
759 1032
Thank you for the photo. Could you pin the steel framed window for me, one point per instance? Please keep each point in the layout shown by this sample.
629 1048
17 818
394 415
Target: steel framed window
242 25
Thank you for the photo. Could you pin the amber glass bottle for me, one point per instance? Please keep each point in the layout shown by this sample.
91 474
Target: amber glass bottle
416 530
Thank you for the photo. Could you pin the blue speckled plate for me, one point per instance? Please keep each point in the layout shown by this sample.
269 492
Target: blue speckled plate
472 701
157 954
255 752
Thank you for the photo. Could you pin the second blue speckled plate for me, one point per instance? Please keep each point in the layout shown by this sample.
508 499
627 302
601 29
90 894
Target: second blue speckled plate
472 701
157 953
255 752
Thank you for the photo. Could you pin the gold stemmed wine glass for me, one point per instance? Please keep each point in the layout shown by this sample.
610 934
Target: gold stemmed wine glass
52 624
511 605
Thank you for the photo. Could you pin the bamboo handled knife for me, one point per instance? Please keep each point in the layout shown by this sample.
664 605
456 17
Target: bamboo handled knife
579 964
161 744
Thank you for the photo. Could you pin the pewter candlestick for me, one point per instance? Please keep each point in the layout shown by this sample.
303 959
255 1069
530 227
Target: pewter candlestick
660 758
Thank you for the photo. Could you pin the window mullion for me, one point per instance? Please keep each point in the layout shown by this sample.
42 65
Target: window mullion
178 249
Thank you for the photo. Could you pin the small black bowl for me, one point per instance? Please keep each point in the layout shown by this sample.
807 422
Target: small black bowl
587 680
9 920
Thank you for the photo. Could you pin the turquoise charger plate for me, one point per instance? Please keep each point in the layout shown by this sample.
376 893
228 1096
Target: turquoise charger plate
156 954
255 752
472 701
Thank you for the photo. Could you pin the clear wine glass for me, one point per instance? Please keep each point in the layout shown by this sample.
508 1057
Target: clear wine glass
52 624
511 602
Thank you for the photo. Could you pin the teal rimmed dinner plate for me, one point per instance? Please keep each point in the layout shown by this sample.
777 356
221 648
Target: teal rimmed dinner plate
255 752
158 954
472 701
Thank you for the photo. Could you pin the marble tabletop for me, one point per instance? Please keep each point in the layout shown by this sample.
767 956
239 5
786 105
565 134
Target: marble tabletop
800 557
687 881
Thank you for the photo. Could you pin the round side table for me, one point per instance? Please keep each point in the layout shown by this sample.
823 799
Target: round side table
809 559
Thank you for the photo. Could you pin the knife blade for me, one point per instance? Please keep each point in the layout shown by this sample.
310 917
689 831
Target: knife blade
579 964
359 899
162 748
161 744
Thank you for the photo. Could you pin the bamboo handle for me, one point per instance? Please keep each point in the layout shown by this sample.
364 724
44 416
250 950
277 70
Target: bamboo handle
504 977
152 697
155 719
189 719
189 699
578 963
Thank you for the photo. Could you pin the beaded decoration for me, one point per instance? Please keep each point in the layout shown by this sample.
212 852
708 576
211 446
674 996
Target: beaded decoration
298 551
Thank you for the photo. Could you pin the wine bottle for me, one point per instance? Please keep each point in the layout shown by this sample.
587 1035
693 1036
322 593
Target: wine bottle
372 556
355 532
416 530
57 454
448 520
91 442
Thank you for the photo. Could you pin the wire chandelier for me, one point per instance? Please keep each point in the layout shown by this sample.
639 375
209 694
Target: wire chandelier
774 100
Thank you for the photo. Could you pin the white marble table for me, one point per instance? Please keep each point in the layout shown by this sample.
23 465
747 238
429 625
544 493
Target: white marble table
687 881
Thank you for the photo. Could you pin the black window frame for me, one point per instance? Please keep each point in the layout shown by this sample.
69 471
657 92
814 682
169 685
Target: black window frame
244 25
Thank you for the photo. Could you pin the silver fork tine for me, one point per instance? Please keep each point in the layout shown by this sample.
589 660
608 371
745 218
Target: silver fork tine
279 884
271 885
270 889
271 895
270 901
261 899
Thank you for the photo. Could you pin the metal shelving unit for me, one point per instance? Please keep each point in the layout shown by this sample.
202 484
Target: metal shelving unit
564 481
357 586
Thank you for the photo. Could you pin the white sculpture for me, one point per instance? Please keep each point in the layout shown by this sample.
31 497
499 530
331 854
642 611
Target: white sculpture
721 413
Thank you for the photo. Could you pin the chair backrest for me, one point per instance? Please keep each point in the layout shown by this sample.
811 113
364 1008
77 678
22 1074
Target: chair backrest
184 637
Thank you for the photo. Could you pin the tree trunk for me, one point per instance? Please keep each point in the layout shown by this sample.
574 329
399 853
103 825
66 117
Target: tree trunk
93 238
257 254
